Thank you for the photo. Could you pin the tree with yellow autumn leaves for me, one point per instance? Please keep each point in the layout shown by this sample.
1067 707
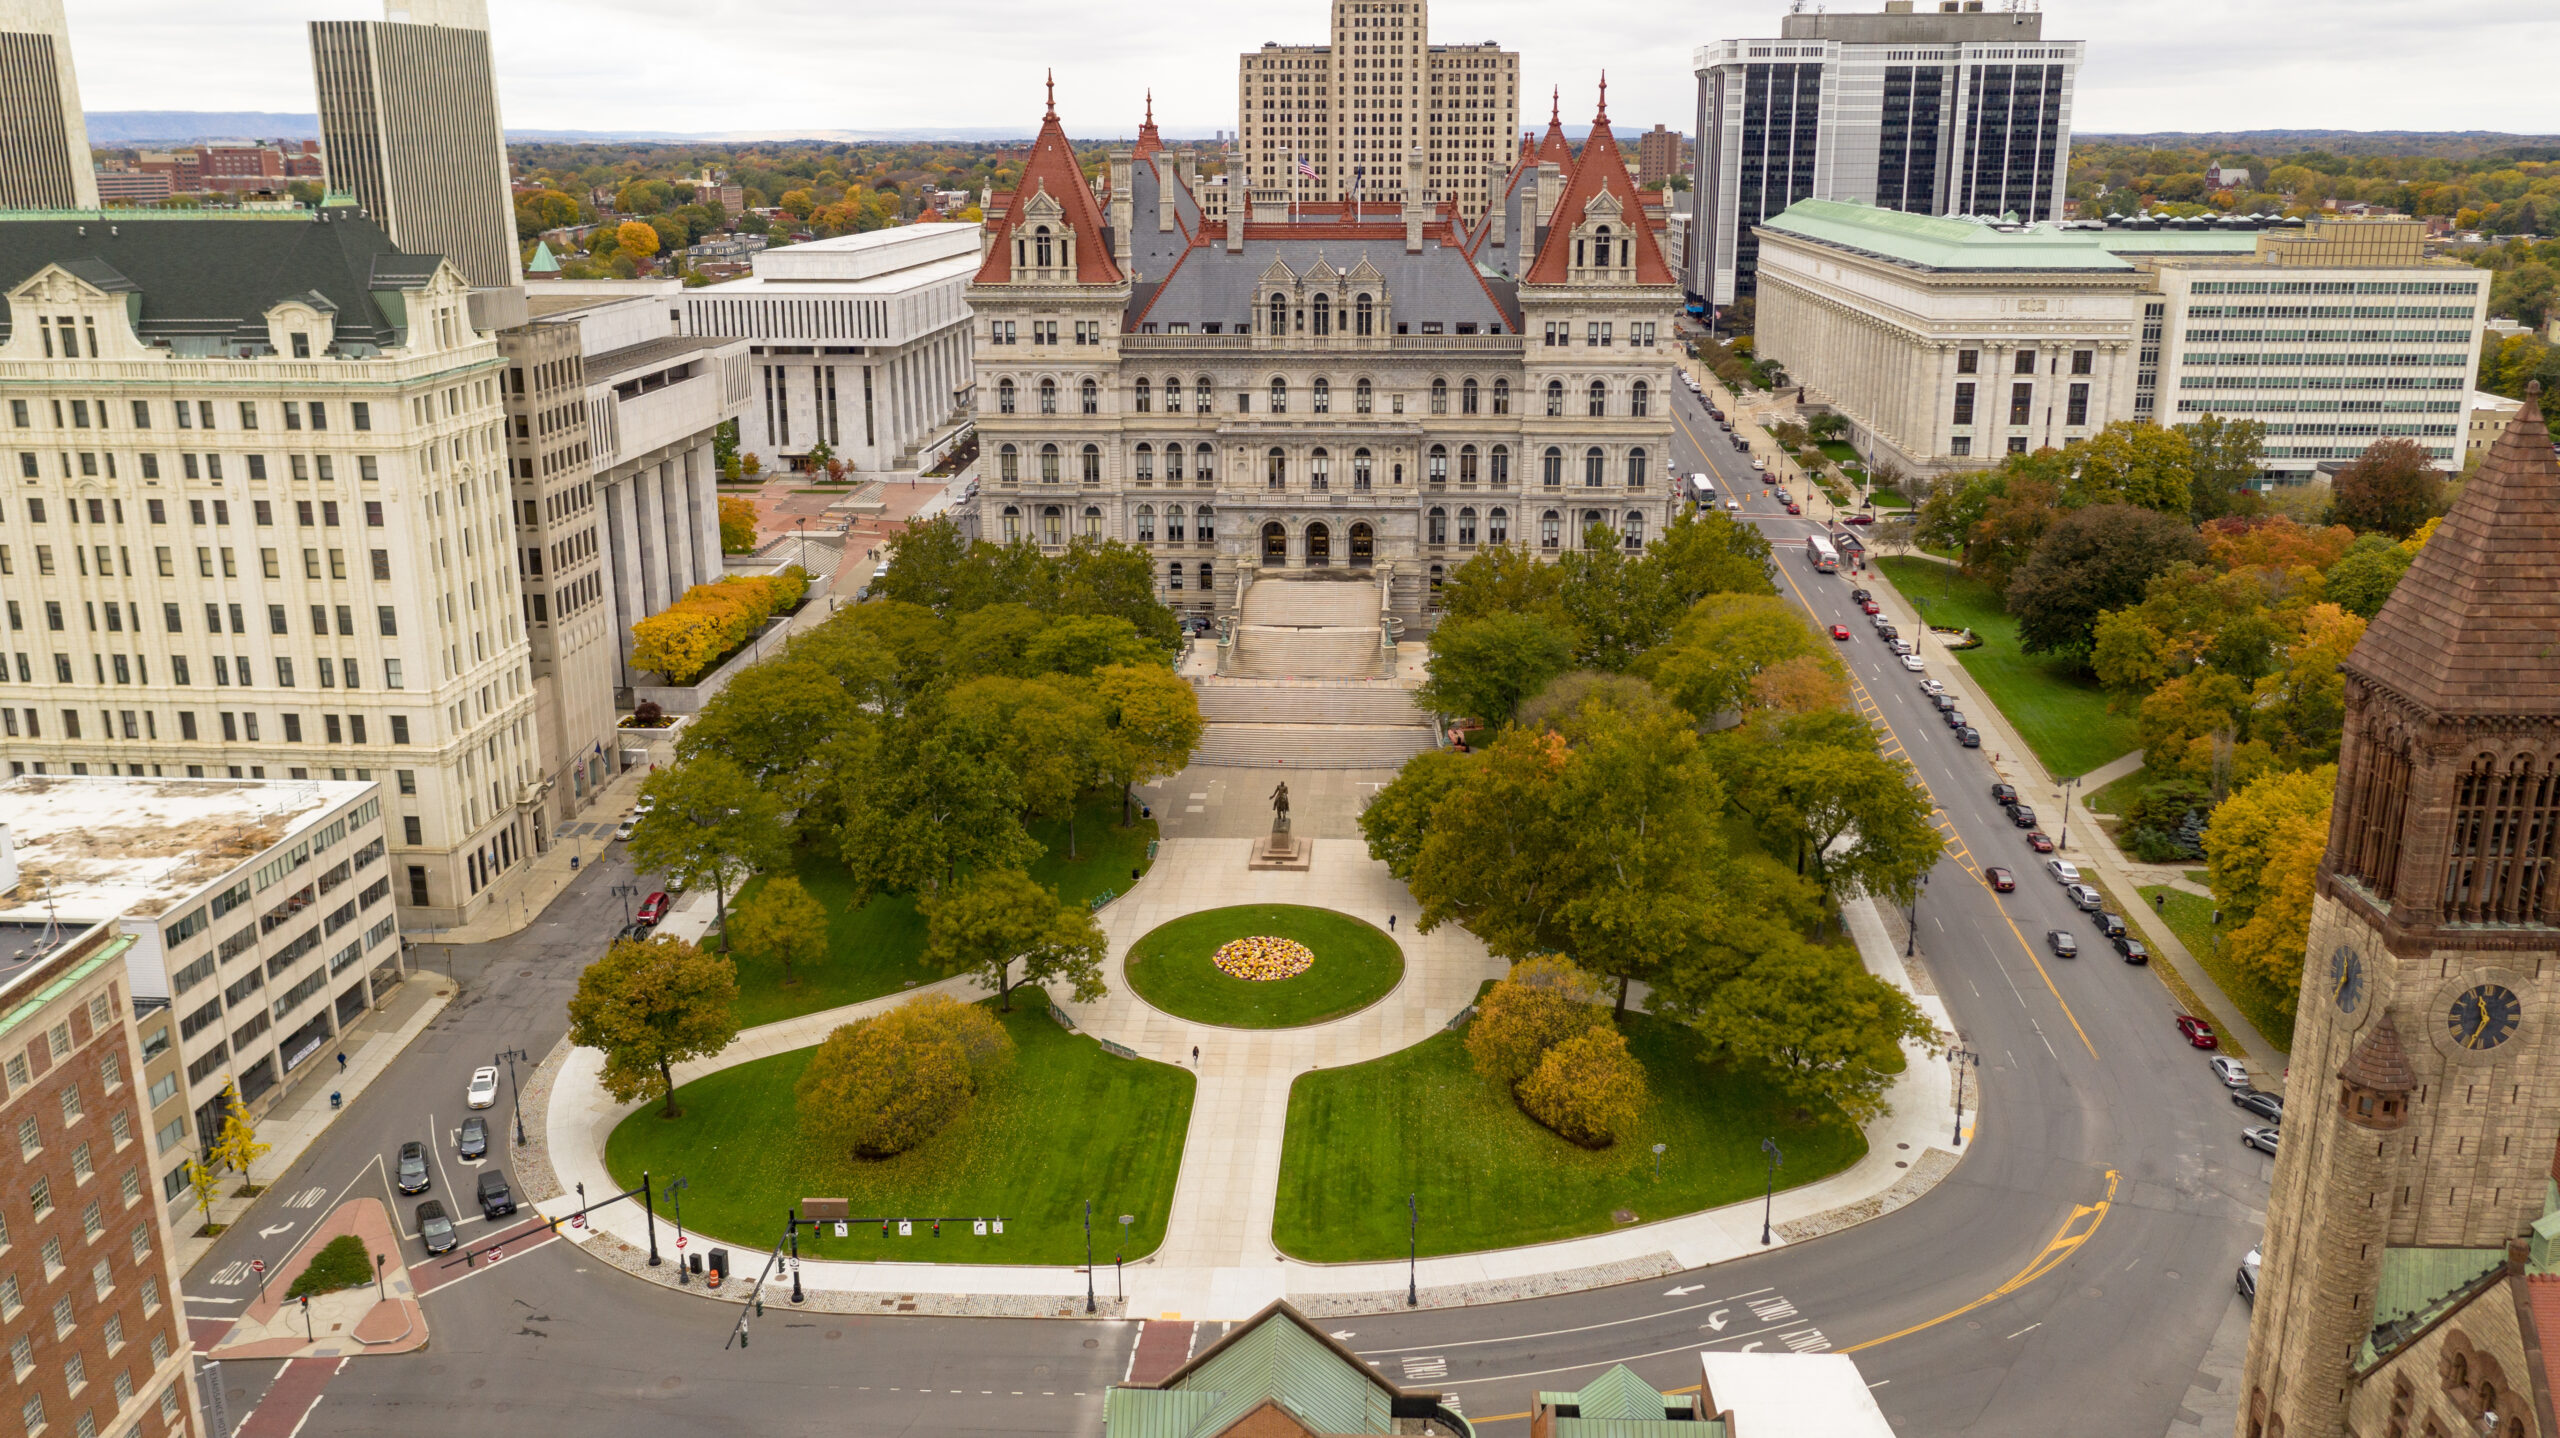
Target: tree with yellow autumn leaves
683 639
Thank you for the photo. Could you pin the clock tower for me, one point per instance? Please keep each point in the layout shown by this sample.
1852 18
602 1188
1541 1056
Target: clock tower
2425 1076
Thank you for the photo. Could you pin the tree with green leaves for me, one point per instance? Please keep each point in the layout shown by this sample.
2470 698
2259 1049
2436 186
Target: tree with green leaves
999 918
2091 561
1485 668
2364 576
2225 455
1703 552
1831 1032
709 822
1722 645
1397 818
1853 818
879 1086
800 723
2131 462
781 925
648 1005
944 796
1053 738
1151 719
2391 488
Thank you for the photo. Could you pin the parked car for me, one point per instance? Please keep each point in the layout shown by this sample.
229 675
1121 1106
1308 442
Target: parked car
2231 1072
2265 1105
1968 737
2247 1279
1733 506
1839 631
1954 718
2001 879
1888 632
1794 508
2197 1032
2063 870
435 1228
496 1199
1869 606
1899 646
2264 1140
475 1138
2004 793
2110 925
2022 816
2130 949
411 1171
1785 498
1932 686
2086 899
2041 842
652 908
1913 663
1859 518
484 1087
1942 702
1757 462
629 822
2063 945
1860 596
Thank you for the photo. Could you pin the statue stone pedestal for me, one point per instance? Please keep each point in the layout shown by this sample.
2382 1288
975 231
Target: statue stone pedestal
1281 849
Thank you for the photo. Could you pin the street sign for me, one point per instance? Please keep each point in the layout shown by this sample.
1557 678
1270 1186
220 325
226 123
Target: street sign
257 1265
842 1229
979 1228
906 1228
999 1227
681 1240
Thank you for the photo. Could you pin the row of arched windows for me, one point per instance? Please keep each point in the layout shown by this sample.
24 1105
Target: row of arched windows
1490 465
1472 397
1173 524
1551 535
1491 527
1595 399
1359 315
1088 463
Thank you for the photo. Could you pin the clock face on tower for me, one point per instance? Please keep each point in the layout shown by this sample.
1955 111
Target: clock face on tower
2346 978
2484 1016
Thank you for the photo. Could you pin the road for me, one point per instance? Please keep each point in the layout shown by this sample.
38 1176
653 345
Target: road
2067 1277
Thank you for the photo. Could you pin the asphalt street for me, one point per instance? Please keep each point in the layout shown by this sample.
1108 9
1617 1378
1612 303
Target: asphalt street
2066 1277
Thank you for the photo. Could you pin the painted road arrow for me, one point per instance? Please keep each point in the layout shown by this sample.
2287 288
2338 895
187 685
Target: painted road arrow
1715 1320
1683 1292
272 1232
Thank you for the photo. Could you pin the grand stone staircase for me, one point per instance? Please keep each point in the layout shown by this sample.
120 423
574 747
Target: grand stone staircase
1303 685
1307 629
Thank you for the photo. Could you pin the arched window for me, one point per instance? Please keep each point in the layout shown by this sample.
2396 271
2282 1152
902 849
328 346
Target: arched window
1275 542
1279 395
1200 395
1204 527
1009 465
1599 399
1361 316
1173 394
1012 524
1360 469
1204 469
1146 463
1092 522
1555 399
1320 470
1275 473
1360 397
1004 396
1636 399
1173 464
1173 576
1040 247
1439 464
1439 520
1467 525
1467 398
1173 524
1048 464
1053 525
1324 392
1143 394
1595 468
1048 396
1501 466
1324 314
1207 579
1090 397
1439 396
1635 529
1603 249
1092 464
1591 519
1502 396
1551 467
1466 464
1278 315
1550 530
1635 468
1146 524
1497 527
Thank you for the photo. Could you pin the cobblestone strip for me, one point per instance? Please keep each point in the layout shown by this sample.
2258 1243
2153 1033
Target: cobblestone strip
534 1173
1932 1166
1497 1290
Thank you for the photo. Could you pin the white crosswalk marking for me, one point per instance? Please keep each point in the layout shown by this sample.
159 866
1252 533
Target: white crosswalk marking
1425 1365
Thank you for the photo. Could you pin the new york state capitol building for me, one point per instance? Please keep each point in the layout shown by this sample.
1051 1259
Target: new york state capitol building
1361 388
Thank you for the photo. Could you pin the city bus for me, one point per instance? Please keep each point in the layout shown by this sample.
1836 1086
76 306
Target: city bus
1702 491
1819 553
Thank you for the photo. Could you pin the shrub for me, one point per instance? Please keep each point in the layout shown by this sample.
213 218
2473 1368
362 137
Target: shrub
737 524
884 1084
683 639
342 1262
1588 1088
1542 1003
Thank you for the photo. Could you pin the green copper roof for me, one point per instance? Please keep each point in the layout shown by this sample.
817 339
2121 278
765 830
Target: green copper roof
1934 242
1618 1404
2418 1286
1276 1360
543 262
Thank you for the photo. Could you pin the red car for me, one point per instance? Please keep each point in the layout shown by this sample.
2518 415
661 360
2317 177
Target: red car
2197 1032
2038 842
653 908
1839 631
1858 519
2001 879
1793 508
1870 606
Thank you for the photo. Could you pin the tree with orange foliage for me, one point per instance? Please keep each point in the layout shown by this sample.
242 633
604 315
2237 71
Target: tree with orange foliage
2273 541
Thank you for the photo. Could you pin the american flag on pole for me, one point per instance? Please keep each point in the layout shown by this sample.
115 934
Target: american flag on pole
1305 169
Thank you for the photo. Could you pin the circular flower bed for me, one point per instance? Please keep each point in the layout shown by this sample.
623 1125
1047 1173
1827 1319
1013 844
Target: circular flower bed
1263 958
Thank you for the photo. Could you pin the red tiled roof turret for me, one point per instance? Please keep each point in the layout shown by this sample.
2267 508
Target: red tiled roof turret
1052 170
1149 142
1602 170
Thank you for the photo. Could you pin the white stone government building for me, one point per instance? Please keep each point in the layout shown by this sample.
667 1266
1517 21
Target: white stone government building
1295 389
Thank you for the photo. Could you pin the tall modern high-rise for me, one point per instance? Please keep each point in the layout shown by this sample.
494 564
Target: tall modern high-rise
409 124
1955 110
44 139
1351 108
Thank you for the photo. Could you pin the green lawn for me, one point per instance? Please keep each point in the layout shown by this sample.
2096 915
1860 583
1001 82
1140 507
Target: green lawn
2190 917
1356 964
878 948
2115 796
1839 451
1069 1123
1419 1121
2059 712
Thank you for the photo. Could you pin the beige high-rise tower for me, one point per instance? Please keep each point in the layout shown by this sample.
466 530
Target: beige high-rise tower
409 123
1352 108
44 139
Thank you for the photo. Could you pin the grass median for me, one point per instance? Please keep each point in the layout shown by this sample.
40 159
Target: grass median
2060 713
1356 964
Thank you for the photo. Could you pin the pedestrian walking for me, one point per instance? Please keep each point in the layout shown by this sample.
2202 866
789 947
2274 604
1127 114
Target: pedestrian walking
1391 923
342 1060
1195 1056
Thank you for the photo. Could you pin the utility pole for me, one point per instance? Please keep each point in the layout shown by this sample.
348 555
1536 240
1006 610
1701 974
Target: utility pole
1769 1200
1413 1250
1088 1256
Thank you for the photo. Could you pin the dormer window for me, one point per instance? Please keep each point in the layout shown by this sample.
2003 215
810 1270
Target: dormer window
1279 322
301 345
1040 248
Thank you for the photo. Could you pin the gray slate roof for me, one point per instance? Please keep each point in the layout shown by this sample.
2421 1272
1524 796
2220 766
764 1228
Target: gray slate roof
213 278
1152 253
1438 285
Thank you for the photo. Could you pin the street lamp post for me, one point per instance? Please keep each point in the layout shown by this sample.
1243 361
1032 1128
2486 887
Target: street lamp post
1961 1057
509 1057
2063 840
1413 1250
675 1201
1911 944
1088 1255
796 1295
625 892
1120 1257
1657 1161
1769 1200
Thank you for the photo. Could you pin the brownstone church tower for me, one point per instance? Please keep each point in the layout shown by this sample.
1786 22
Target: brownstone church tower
2414 1226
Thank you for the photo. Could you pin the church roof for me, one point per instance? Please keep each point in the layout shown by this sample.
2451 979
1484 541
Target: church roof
1052 170
2469 629
2378 1061
1602 170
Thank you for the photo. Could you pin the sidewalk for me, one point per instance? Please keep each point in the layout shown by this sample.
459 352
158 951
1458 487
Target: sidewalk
362 1320
300 1116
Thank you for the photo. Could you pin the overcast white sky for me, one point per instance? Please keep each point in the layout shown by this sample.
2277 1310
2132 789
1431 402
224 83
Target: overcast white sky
826 65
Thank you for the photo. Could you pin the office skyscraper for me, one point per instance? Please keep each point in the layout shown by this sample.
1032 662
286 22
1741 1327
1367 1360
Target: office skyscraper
44 140
1940 112
409 123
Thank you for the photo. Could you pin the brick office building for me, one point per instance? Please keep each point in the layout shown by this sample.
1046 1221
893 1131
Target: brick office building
88 1310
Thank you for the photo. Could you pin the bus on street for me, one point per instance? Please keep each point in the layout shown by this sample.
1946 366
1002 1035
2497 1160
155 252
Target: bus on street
1819 553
